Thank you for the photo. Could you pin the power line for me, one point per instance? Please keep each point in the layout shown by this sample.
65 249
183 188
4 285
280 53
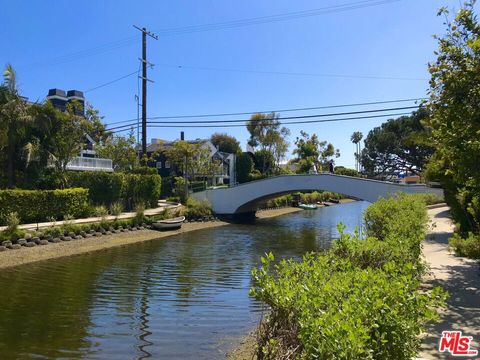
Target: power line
283 118
111 82
274 18
114 45
289 117
270 111
368 77
281 123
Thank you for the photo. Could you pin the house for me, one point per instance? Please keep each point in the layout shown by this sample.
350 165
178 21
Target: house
225 173
87 159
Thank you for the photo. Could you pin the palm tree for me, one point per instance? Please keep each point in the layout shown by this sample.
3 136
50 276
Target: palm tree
356 138
14 119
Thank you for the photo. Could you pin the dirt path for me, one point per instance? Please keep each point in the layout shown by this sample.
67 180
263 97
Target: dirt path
461 277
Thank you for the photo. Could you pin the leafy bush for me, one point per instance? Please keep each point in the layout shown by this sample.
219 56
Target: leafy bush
327 308
469 247
341 170
40 205
359 300
104 188
100 211
197 209
108 188
139 212
116 208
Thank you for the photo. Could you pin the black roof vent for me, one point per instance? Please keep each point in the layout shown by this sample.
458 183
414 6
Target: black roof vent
75 94
56 92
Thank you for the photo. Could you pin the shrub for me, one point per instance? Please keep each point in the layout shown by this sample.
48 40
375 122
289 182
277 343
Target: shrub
469 247
197 209
40 205
139 212
341 170
100 211
358 300
116 208
104 188
326 308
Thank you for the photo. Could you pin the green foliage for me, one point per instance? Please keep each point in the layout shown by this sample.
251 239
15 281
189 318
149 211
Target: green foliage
398 145
100 211
453 104
40 205
264 162
108 188
12 231
313 154
116 208
144 170
197 209
244 166
139 212
268 136
104 188
226 143
341 170
359 300
468 246
121 150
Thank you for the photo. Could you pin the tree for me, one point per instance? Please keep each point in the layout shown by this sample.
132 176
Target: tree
398 145
121 150
267 134
454 99
356 138
65 138
313 153
193 160
243 166
14 122
97 129
226 143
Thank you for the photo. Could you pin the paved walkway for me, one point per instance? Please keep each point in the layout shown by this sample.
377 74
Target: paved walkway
460 277
162 205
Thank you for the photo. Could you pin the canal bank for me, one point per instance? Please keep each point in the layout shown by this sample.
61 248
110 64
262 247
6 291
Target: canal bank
25 255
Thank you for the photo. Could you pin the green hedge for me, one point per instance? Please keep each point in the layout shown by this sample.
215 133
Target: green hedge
41 205
359 300
108 188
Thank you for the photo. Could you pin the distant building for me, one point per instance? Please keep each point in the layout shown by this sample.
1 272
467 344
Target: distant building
88 160
225 174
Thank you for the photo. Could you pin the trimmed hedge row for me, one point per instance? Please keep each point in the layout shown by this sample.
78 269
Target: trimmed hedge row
40 205
359 300
108 188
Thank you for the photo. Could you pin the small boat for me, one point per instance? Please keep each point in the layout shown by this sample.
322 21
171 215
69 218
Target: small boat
307 206
169 224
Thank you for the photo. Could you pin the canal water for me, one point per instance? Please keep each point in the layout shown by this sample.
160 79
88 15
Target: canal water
184 297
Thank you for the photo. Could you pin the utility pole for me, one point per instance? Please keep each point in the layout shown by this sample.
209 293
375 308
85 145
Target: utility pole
144 84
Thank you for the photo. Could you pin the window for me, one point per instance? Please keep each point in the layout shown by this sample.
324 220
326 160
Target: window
158 165
167 164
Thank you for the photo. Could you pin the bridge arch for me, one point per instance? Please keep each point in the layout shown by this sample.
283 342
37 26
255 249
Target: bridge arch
245 198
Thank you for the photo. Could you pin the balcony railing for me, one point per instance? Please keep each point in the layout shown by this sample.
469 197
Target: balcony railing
90 164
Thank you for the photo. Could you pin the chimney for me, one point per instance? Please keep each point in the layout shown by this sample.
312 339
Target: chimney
75 95
58 98
182 135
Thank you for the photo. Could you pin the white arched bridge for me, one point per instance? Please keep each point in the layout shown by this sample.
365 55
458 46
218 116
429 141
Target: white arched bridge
245 198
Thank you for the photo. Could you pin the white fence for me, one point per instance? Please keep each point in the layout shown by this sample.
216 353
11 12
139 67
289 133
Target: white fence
90 164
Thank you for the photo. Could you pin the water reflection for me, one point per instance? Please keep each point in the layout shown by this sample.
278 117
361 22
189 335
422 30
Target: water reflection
172 298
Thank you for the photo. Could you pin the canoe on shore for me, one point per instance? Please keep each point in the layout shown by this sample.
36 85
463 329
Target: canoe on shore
308 206
169 224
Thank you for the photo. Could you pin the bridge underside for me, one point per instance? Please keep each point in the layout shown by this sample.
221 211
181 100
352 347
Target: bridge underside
245 198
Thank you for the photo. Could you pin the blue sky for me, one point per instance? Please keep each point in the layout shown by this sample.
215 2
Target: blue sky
62 44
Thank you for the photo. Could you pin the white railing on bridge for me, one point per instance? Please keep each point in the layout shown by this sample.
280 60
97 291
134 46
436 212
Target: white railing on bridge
90 164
